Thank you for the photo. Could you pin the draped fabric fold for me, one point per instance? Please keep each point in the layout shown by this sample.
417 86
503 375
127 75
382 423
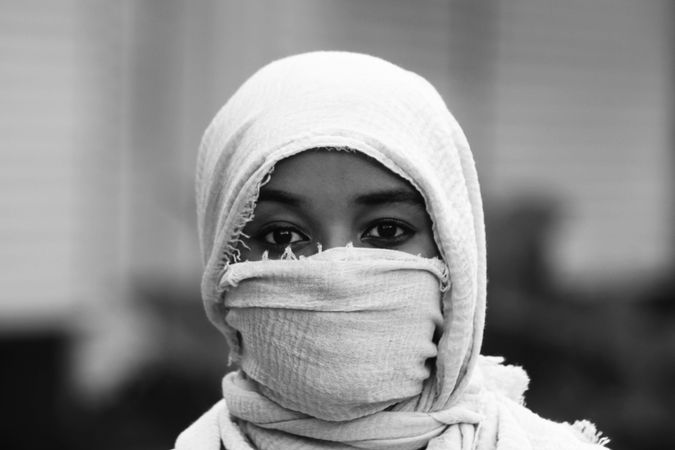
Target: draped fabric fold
358 103
496 390
447 396
383 430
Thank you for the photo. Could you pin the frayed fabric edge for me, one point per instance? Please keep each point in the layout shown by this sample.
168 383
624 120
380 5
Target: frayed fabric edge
232 251
289 255
589 432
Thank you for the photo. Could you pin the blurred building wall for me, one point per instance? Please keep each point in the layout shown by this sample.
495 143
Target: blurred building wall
41 57
584 103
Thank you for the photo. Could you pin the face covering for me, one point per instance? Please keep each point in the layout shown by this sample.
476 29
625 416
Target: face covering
339 335
349 101
343 101
342 352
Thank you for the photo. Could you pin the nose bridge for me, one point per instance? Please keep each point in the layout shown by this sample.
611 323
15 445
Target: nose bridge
336 233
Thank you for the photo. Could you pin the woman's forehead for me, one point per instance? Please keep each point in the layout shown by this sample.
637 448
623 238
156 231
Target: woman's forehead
330 171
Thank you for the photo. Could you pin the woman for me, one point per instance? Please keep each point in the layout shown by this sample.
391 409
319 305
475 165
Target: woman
342 232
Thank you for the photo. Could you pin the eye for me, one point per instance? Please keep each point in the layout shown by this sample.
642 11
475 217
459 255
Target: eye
387 232
283 236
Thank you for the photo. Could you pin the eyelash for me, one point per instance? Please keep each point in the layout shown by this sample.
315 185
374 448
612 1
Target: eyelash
273 228
403 232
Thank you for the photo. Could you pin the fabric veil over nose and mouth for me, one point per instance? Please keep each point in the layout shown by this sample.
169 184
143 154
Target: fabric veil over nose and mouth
339 335
356 103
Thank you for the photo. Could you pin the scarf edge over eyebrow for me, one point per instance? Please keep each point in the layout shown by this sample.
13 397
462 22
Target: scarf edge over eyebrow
365 104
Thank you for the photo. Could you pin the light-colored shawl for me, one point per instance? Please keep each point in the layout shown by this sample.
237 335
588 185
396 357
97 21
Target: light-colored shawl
346 100
362 103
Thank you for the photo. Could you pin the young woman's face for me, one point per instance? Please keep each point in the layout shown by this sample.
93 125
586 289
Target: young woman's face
331 198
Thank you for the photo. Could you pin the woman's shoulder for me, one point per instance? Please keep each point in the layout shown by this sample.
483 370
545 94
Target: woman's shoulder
512 425
517 423
203 433
214 430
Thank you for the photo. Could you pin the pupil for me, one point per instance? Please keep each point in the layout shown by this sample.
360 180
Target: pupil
282 236
386 230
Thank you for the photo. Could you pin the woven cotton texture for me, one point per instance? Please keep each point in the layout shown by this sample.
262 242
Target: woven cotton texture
346 100
364 104
317 332
338 336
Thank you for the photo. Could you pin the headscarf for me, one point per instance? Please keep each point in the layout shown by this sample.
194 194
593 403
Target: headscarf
355 101
362 103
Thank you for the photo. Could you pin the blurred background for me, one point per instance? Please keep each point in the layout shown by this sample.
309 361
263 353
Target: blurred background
569 107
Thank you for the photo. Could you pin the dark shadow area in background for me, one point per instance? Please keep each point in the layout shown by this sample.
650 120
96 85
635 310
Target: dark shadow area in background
605 357
146 413
34 405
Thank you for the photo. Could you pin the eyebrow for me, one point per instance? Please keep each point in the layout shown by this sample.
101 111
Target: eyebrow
369 199
276 195
390 196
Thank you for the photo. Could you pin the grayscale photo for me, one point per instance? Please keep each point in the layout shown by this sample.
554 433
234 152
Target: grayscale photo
337 224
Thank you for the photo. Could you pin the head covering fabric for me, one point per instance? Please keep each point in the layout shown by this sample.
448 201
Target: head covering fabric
361 103
365 104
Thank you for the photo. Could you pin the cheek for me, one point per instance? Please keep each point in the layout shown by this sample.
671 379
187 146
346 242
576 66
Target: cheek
427 242
430 249
422 244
